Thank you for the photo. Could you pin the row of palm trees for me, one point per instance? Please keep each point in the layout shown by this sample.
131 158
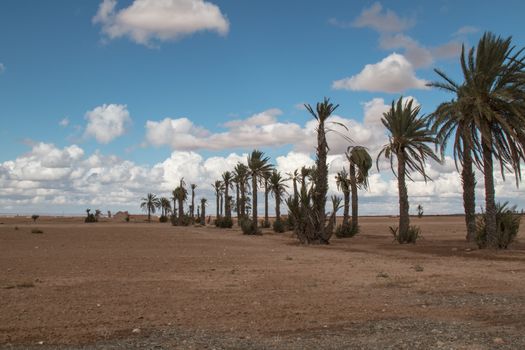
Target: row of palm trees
485 120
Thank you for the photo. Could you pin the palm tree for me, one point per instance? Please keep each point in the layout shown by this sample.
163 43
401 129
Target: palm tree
278 188
492 97
306 172
227 180
450 121
218 186
258 164
150 203
343 183
165 206
174 199
241 177
294 176
192 211
323 111
409 135
360 164
266 179
182 195
203 211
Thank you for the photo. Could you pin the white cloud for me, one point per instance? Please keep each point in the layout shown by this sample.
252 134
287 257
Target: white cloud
145 21
393 74
107 122
51 179
2 67
387 21
259 130
64 122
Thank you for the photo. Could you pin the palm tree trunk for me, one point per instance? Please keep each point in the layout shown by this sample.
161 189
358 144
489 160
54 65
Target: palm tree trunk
254 201
321 184
277 208
346 208
149 214
353 185
490 201
181 208
218 204
203 214
237 204
243 200
192 204
295 192
222 204
404 219
469 196
266 202
174 207
227 209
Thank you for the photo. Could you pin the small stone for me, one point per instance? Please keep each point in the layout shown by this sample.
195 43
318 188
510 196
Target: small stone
454 249
135 331
440 343
40 343
498 341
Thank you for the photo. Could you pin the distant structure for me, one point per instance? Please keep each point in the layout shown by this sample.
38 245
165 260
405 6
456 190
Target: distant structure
109 214
121 216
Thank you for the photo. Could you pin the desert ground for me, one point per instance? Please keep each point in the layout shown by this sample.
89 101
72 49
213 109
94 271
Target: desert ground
118 285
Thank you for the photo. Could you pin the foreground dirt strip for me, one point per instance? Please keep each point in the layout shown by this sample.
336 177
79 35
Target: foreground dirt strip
89 286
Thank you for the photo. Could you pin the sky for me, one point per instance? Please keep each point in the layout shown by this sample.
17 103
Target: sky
104 101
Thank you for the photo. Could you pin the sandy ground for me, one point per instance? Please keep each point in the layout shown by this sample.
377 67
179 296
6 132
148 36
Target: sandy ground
138 285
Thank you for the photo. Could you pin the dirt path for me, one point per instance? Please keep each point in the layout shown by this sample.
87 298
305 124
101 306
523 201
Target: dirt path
90 285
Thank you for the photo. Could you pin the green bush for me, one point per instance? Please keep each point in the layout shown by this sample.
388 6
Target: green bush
224 222
345 231
248 227
410 236
184 220
163 218
508 224
90 218
289 223
279 226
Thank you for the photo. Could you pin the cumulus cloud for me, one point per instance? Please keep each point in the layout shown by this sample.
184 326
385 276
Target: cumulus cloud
52 179
145 21
259 130
382 21
107 122
393 74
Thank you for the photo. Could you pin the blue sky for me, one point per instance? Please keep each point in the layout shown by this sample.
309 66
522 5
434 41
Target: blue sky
217 62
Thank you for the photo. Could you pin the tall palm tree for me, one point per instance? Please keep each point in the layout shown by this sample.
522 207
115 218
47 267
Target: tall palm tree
322 112
278 188
227 180
360 164
258 164
174 199
218 186
192 211
493 95
150 203
266 182
241 177
343 183
452 119
408 142
294 176
203 211
165 206
306 172
182 196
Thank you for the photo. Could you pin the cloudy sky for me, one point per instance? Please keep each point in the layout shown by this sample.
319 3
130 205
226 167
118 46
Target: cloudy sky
104 101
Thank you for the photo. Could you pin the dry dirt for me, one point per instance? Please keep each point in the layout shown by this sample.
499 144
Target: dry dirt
153 286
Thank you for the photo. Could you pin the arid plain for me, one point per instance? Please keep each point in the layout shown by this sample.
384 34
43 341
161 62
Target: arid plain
151 285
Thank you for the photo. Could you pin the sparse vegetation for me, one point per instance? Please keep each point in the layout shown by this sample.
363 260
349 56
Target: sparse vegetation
279 226
37 231
249 228
411 235
35 217
420 211
224 222
90 217
346 230
508 224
